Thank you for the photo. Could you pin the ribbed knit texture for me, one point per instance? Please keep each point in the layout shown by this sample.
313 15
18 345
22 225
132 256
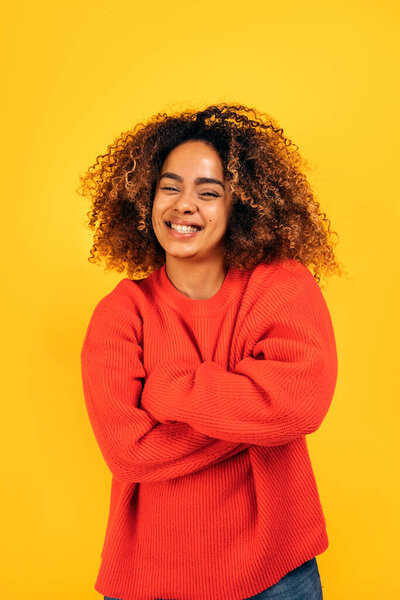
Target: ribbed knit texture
200 408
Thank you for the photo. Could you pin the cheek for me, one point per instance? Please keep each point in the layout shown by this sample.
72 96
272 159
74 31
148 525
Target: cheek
159 208
156 212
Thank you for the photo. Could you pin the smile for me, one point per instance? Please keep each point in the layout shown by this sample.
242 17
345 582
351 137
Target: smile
182 231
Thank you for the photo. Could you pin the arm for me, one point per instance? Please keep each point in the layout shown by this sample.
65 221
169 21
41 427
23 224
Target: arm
135 446
282 392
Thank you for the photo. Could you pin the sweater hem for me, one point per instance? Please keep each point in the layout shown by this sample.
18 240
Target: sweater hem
266 579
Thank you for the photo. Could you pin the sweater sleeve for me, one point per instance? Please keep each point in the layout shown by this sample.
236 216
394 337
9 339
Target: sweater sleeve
281 391
135 446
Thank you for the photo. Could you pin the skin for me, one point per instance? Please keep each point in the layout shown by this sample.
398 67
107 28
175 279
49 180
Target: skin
193 265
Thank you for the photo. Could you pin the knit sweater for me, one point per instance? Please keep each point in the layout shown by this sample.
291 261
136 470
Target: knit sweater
200 408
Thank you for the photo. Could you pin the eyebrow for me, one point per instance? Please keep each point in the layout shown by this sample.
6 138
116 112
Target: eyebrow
197 181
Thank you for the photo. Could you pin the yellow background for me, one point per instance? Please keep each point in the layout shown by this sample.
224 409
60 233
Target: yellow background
76 74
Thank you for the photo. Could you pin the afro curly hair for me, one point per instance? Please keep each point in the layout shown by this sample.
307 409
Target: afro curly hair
274 212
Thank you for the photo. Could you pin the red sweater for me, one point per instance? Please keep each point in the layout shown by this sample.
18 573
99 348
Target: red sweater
201 409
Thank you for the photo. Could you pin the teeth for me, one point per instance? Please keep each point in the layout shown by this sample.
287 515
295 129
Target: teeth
183 228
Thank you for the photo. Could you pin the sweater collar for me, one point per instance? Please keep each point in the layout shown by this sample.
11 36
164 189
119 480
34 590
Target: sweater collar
197 307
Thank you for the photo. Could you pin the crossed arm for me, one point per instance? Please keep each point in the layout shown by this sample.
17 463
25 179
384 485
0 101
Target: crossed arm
193 416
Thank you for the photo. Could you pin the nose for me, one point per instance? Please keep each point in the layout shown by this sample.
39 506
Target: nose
185 203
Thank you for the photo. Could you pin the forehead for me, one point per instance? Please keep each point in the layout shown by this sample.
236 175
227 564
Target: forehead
194 155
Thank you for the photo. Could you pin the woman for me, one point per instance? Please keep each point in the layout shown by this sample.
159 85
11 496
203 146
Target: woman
206 367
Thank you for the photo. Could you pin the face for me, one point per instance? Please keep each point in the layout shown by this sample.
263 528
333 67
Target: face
191 188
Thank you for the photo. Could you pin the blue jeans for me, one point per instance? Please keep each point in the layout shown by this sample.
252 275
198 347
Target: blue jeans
303 583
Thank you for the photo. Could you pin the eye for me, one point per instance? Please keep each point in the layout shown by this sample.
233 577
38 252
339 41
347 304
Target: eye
203 194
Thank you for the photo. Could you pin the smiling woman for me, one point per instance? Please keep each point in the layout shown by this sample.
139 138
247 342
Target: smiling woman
204 370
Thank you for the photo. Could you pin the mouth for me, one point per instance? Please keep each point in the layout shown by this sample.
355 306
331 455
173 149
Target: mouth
181 233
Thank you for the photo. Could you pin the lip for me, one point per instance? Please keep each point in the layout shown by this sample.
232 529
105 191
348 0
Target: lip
178 235
177 222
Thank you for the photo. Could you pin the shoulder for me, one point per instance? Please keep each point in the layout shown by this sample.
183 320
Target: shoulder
119 310
125 295
286 275
287 296
286 287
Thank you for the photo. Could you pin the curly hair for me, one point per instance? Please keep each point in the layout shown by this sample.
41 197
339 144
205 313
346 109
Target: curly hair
274 212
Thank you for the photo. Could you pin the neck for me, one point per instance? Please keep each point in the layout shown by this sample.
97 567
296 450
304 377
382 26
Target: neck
197 281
